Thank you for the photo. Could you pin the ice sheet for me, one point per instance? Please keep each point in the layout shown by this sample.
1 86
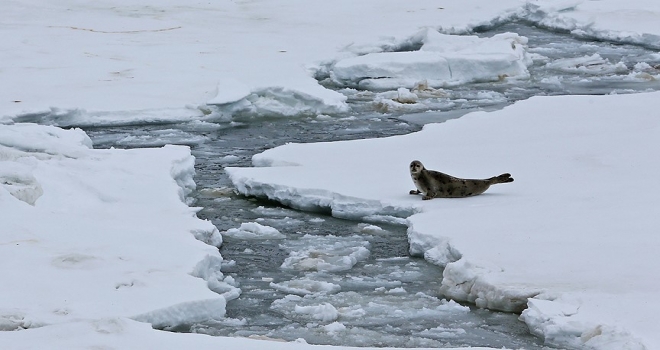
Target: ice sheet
129 62
132 62
92 234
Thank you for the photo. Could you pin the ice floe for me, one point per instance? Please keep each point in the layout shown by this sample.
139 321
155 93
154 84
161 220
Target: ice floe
108 228
443 60
254 230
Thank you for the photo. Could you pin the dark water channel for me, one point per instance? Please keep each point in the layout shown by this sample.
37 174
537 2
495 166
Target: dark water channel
332 281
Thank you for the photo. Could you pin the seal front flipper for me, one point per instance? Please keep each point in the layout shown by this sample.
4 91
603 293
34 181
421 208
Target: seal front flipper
429 195
415 192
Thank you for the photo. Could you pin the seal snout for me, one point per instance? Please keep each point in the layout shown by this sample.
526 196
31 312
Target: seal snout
416 166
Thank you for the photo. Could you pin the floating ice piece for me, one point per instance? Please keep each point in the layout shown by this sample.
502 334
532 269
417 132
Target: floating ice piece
306 286
324 312
229 159
370 309
261 210
443 60
325 253
368 228
253 230
159 138
593 64
405 96
442 332
398 290
280 222
334 327
216 192
285 102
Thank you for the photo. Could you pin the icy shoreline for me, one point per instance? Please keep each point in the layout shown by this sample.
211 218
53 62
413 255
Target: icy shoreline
544 243
95 240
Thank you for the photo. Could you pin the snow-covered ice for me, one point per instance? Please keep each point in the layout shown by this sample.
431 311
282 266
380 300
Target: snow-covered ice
443 60
93 240
97 64
93 234
573 238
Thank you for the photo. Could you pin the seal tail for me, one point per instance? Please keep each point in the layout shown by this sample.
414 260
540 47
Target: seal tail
504 178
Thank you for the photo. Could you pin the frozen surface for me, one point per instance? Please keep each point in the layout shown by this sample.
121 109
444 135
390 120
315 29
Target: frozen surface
125 62
93 234
442 60
584 193
100 237
167 60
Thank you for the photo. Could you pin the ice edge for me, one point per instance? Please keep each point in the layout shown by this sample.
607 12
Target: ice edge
463 280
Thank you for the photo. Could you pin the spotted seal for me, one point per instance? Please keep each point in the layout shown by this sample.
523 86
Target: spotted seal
434 184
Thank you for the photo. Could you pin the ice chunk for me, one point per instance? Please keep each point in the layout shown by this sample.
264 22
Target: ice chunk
442 332
325 253
405 96
443 60
306 286
253 230
594 64
370 309
334 327
392 69
324 312
370 229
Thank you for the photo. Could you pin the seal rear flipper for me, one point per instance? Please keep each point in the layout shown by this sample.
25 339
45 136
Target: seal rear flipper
504 178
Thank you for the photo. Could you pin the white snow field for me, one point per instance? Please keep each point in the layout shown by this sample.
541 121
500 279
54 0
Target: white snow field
122 62
572 241
96 245
93 234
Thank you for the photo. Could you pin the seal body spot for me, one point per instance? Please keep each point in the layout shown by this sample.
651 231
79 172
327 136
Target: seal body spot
434 184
